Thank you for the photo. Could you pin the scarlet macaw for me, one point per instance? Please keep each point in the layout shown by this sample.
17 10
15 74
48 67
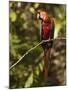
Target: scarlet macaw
46 32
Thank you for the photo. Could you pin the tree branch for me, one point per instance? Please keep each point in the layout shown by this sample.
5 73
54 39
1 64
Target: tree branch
33 49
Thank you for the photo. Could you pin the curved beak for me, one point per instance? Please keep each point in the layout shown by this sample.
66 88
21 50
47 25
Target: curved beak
38 16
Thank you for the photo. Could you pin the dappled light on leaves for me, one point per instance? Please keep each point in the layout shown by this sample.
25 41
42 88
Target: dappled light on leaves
24 35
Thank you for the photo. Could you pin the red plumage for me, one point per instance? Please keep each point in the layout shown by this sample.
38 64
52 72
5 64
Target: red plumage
47 32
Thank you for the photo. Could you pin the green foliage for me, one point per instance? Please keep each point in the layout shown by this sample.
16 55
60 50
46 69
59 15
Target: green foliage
29 81
24 34
13 16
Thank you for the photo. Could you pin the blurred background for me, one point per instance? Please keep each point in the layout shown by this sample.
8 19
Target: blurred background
24 34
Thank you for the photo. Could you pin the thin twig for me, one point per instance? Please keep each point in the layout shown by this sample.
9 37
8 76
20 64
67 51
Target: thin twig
33 49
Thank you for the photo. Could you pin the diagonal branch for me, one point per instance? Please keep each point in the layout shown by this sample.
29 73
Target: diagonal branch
33 49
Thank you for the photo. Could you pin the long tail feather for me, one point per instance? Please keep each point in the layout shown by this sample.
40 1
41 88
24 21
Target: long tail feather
46 62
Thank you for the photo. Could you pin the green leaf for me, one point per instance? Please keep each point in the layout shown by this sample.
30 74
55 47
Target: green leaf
36 5
32 10
29 81
37 70
40 66
13 16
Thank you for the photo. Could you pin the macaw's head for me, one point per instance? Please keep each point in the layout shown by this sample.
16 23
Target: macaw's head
42 15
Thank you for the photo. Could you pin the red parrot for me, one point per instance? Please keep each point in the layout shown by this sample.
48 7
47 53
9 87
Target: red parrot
46 32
